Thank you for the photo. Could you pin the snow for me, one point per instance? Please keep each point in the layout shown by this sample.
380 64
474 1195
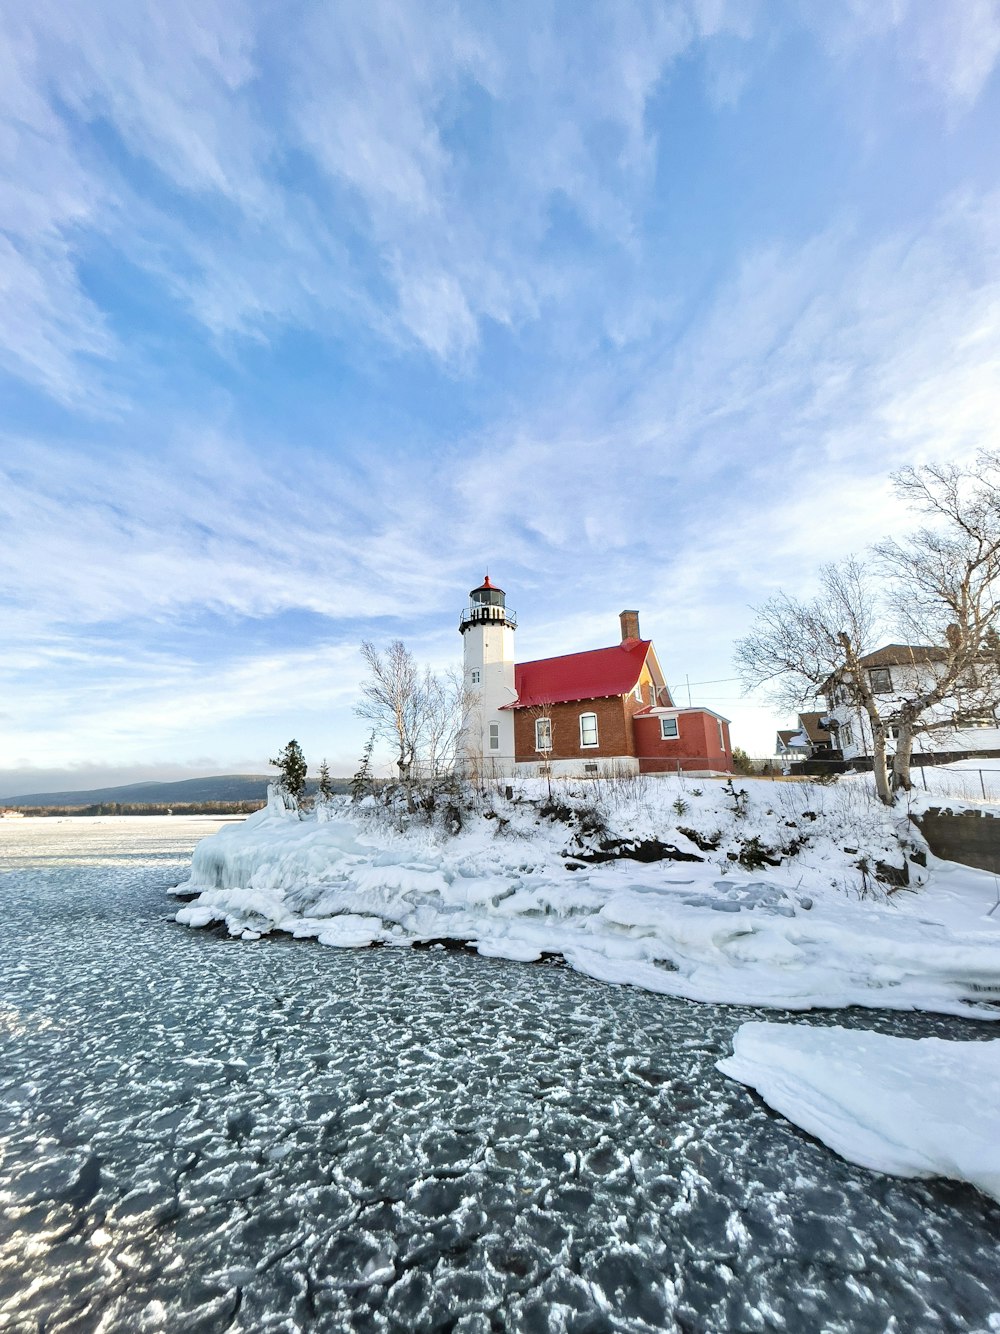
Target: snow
815 931
975 781
914 1107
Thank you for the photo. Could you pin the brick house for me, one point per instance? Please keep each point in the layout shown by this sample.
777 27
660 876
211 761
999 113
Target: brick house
600 711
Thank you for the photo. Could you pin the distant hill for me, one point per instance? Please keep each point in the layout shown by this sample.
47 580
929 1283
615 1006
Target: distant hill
224 787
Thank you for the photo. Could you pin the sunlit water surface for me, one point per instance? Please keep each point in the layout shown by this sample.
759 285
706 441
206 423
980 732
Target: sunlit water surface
199 1134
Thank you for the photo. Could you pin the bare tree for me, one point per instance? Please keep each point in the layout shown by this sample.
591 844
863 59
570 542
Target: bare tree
541 712
795 648
938 587
944 583
392 700
446 703
419 712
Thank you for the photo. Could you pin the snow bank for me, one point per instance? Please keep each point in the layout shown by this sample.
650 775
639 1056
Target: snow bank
910 1107
794 936
975 781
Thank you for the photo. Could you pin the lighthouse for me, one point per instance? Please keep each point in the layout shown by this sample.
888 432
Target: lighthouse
487 627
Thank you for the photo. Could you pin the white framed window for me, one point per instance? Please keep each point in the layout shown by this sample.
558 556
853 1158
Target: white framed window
476 677
970 720
494 736
588 729
652 695
846 735
543 733
881 679
637 692
668 729
722 737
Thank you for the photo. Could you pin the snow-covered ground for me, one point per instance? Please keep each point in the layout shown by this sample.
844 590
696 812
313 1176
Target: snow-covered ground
975 781
820 928
907 1106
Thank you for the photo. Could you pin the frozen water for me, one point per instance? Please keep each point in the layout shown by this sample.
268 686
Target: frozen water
912 1106
203 1134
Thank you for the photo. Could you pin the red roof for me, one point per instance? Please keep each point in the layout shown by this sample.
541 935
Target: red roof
487 584
574 676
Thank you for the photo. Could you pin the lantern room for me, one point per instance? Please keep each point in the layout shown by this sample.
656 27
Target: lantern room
487 603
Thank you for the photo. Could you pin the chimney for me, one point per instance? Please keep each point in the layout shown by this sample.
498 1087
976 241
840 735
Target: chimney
630 625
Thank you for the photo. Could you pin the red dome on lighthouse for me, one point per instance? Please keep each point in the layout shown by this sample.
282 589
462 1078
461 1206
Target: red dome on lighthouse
488 603
487 586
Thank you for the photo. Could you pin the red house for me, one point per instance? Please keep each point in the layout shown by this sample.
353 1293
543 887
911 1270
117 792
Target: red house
610 710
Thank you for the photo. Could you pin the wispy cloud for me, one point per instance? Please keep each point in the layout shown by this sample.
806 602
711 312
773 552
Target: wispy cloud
440 150
952 46
152 705
422 230
810 374
604 360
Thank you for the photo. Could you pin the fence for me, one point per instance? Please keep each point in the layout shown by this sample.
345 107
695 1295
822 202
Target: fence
963 773
985 776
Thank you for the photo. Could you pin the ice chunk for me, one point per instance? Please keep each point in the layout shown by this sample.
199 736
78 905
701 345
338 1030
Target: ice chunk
915 1107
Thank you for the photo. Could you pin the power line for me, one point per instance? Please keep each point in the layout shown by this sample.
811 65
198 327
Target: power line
719 681
707 697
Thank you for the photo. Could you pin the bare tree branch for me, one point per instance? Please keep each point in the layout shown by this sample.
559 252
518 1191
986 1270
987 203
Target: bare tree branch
937 587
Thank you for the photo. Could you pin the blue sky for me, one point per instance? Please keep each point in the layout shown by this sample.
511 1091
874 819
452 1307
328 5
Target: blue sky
311 313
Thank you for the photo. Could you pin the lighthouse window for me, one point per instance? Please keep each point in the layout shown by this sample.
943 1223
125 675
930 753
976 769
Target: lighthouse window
588 729
475 678
494 736
543 733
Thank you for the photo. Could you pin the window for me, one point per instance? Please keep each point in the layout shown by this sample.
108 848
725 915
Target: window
652 695
637 692
975 720
881 679
590 768
846 736
722 737
588 729
494 736
543 733
475 678
668 729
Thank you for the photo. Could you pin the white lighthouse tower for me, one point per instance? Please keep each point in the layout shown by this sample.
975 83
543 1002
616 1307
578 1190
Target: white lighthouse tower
487 628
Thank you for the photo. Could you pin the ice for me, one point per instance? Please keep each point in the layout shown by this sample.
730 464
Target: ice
911 1107
199 1132
799 935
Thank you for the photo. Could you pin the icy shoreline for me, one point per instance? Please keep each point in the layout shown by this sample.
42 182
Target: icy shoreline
794 936
909 1107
